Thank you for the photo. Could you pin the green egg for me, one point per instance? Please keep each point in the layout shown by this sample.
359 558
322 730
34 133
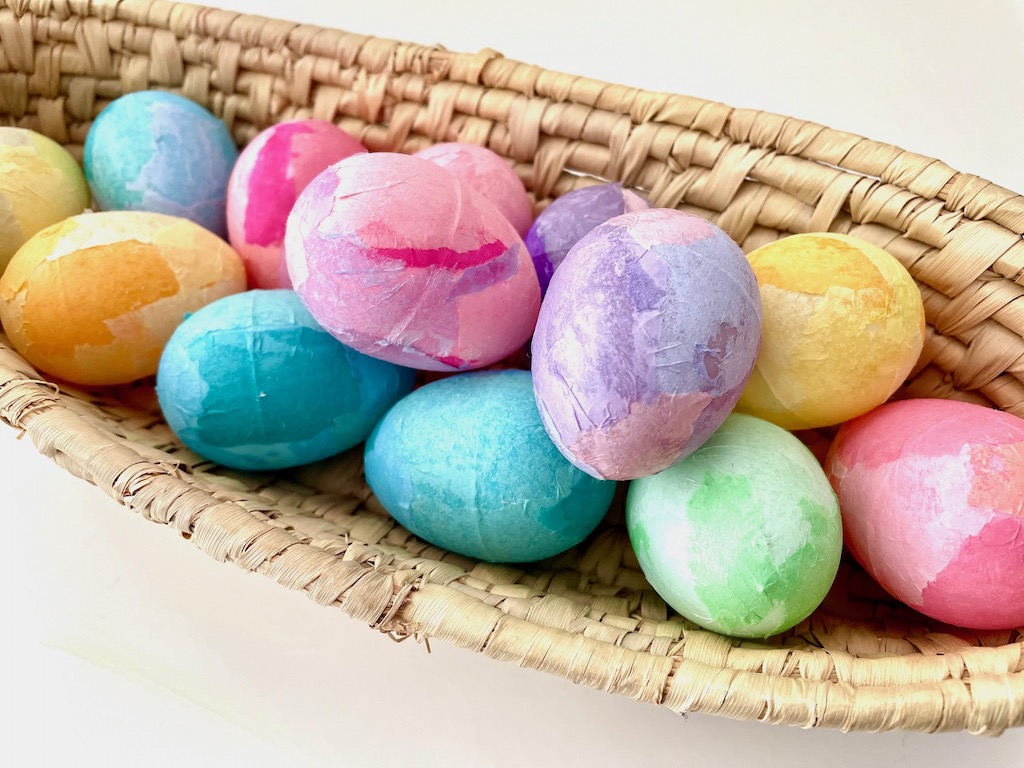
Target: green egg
742 537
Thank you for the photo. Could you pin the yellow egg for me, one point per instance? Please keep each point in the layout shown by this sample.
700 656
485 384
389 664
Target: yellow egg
843 328
40 184
94 299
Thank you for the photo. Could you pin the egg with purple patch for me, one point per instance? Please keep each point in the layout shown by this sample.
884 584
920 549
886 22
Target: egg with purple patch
267 179
564 223
647 335
403 261
932 498
489 174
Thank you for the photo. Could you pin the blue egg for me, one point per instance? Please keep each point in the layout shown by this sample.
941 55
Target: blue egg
465 464
160 152
251 381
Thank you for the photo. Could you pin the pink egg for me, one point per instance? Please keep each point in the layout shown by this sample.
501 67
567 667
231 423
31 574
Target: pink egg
268 177
932 498
405 262
489 174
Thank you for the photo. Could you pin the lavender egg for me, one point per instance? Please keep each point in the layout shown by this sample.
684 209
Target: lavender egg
645 340
564 223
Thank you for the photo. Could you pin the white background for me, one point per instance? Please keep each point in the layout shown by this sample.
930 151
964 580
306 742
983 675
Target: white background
123 645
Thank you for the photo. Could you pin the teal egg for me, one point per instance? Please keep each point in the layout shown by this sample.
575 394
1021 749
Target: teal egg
251 381
742 537
464 463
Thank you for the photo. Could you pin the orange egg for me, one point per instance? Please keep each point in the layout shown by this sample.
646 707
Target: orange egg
94 298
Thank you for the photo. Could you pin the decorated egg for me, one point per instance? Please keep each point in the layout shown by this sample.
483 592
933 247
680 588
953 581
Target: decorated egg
564 223
645 340
843 328
160 152
268 177
403 261
932 493
742 537
464 464
94 298
40 184
253 382
489 174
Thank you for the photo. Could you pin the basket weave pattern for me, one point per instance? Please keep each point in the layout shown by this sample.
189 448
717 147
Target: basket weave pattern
861 662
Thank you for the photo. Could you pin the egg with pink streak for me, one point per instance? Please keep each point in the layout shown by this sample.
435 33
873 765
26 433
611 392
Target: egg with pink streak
489 174
405 262
932 499
267 179
647 335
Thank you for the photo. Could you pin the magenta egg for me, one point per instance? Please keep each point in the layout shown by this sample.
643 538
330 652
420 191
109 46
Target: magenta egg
489 174
267 179
932 499
403 261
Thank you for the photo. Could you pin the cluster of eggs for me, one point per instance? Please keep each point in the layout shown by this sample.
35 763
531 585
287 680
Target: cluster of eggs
659 354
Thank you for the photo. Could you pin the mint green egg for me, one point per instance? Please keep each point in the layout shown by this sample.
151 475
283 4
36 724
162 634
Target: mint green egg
743 537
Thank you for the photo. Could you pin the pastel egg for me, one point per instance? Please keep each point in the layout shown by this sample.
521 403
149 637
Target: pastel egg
645 340
932 493
843 328
253 382
403 261
94 298
267 179
160 152
564 223
489 174
464 464
40 184
744 536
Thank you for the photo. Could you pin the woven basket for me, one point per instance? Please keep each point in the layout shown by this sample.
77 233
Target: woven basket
861 662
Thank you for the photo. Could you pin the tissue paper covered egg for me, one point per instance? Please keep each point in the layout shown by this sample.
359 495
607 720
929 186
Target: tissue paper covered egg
645 339
742 537
932 493
489 174
40 184
160 152
268 177
464 464
564 223
94 298
403 261
843 327
253 382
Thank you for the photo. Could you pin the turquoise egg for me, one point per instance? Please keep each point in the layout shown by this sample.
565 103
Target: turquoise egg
251 381
161 152
743 536
465 464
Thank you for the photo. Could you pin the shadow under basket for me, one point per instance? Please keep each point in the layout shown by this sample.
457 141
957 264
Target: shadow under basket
861 662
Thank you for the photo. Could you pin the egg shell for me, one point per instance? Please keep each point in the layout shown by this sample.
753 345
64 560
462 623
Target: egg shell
744 536
40 184
932 493
489 174
464 464
645 340
267 179
161 152
564 223
843 328
253 382
94 298
403 261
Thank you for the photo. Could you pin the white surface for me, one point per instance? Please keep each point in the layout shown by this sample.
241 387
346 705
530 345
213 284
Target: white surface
124 645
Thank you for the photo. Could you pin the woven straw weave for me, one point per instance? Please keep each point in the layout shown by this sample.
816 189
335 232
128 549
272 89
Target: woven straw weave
860 662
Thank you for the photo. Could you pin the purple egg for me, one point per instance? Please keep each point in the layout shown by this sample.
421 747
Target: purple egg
564 223
645 340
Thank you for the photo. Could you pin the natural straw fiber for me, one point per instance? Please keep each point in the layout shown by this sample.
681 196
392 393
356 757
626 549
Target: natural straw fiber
861 662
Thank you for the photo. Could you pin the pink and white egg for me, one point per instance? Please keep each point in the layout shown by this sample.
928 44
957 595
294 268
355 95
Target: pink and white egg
267 179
